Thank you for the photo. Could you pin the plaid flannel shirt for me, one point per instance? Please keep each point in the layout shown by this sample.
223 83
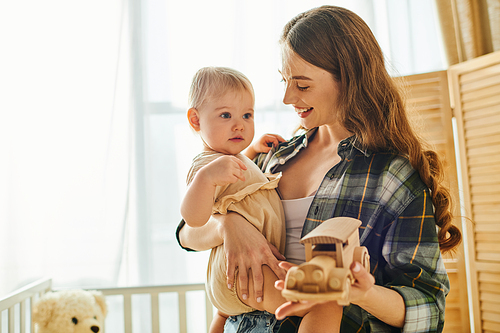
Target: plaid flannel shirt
383 191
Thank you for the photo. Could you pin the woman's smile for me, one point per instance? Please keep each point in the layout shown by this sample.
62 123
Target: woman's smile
306 84
303 112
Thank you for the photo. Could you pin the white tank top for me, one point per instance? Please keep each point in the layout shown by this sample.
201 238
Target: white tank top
295 216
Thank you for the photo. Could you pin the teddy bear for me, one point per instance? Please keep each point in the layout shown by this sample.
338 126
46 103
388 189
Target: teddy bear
70 311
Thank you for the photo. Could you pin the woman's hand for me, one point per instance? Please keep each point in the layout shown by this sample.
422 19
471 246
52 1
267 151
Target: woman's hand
364 282
247 249
293 308
367 295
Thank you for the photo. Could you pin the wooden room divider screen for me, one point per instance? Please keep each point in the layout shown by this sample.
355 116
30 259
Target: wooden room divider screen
469 95
475 91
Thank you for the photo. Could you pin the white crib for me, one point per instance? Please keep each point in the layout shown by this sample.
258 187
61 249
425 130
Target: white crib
15 309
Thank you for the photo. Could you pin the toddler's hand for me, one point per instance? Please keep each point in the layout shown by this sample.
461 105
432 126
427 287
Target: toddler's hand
263 145
224 170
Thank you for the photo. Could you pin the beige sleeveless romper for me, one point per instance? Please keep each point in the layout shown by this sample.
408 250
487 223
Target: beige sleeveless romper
256 200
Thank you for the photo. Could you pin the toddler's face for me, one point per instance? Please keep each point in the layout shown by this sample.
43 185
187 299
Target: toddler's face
227 122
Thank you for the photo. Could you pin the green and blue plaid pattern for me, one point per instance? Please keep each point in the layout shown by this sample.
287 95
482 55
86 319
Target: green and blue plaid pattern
383 191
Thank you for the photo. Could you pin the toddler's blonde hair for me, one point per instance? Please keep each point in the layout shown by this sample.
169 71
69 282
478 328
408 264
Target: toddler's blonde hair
213 82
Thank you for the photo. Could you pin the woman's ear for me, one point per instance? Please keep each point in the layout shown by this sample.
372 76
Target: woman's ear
194 119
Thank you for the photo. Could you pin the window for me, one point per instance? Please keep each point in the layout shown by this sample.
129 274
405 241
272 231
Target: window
181 37
93 182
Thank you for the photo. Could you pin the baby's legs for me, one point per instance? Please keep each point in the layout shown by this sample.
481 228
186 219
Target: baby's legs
324 317
218 323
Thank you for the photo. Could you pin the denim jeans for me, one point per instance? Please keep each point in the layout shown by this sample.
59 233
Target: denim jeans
253 322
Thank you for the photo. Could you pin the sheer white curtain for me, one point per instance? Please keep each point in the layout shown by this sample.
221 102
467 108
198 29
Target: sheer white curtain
91 170
64 141
179 37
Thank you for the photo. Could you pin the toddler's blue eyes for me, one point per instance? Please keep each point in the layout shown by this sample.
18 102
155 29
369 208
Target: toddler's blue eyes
227 115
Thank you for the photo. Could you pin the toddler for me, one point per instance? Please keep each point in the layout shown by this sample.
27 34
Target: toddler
222 180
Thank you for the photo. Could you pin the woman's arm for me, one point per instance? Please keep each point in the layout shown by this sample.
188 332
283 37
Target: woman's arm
415 265
363 293
245 247
414 294
202 238
369 296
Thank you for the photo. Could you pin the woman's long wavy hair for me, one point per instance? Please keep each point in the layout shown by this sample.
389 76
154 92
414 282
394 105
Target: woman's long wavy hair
371 105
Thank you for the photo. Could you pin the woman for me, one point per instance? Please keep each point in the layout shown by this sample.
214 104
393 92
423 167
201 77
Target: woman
359 158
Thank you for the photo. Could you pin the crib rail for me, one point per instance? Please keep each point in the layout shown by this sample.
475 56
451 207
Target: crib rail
18 305
20 298
154 292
